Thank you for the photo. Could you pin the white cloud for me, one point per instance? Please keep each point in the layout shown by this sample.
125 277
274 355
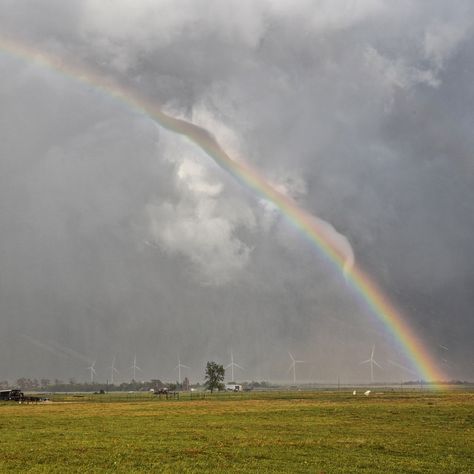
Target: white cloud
125 27
398 72
330 14
204 222
193 177
441 40
199 232
290 184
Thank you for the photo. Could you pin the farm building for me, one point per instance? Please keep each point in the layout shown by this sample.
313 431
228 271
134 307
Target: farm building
11 394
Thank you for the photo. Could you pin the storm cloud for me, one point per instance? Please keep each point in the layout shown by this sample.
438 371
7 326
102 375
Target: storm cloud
121 238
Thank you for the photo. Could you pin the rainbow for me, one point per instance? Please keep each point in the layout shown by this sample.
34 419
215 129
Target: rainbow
308 225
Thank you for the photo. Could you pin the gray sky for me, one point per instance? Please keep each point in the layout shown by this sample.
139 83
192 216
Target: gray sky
120 238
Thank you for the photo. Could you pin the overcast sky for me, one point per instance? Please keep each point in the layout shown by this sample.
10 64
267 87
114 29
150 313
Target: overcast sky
119 238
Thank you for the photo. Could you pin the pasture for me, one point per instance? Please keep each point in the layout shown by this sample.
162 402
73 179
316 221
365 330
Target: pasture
331 432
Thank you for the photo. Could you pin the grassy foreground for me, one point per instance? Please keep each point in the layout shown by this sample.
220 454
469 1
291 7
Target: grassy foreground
298 432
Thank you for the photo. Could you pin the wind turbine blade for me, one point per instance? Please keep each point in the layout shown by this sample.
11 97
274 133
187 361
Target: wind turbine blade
290 368
376 363
227 366
239 366
185 366
365 361
291 357
400 366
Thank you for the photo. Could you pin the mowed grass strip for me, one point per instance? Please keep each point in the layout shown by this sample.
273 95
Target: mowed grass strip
322 432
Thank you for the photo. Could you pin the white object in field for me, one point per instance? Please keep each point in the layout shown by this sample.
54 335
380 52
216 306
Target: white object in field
367 393
354 392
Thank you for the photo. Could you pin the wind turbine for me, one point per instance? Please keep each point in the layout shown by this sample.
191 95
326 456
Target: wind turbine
372 362
93 372
232 365
179 369
113 371
135 367
293 366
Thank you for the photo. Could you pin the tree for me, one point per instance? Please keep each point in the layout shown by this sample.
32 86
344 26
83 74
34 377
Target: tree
214 376
157 384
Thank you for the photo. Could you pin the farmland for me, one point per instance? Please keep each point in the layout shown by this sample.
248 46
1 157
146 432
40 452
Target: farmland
265 432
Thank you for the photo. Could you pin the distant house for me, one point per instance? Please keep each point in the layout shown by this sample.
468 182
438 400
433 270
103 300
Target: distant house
233 387
5 394
11 394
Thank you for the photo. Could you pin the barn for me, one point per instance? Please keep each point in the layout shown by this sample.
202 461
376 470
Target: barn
11 394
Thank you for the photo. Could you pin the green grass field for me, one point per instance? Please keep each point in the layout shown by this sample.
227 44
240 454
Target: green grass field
397 432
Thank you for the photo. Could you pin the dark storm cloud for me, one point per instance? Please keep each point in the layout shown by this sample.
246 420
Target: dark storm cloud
120 238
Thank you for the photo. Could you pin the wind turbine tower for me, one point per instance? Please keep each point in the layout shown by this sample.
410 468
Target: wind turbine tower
113 371
92 371
293 366
135 367
232 365
372 362
179 369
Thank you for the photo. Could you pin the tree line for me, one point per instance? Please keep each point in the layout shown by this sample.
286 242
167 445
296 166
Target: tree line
213 380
